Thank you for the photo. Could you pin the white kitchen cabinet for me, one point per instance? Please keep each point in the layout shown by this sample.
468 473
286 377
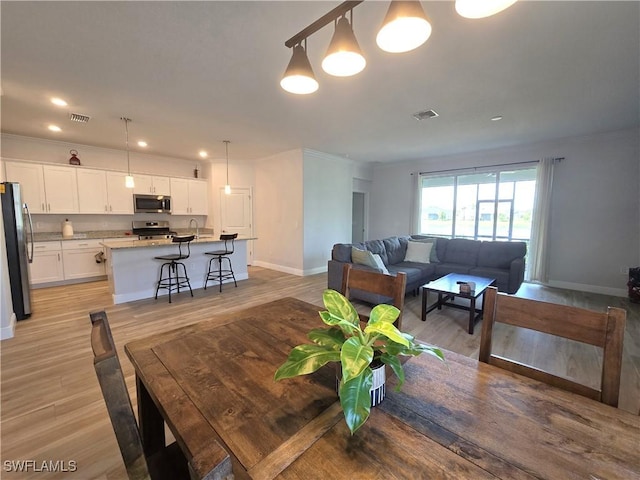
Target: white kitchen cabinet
46 188
92 191
120 197
61 188
151 185
100 191
30 177
189 197
47 263
79 259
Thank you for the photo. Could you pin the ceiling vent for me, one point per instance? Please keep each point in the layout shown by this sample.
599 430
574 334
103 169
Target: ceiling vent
78 117
425 114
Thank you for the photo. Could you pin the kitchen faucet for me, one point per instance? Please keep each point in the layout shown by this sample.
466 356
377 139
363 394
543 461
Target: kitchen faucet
197 229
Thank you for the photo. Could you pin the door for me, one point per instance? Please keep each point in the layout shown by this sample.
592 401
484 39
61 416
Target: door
236 215
357 217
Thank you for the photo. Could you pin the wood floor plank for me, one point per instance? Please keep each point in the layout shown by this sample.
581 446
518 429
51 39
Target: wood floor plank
52 408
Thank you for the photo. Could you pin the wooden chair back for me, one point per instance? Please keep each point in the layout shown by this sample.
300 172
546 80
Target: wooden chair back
116 397
602 329
378 283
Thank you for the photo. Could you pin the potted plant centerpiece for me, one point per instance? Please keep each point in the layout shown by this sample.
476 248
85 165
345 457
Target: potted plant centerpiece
345 341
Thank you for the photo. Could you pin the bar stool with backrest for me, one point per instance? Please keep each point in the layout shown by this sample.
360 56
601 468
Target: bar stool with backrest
219 255
172 280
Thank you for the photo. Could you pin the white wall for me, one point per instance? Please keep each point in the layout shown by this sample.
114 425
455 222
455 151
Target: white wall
594 225
327 207
278 212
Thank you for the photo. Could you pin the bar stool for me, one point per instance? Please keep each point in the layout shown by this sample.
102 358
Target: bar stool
176 281
220 255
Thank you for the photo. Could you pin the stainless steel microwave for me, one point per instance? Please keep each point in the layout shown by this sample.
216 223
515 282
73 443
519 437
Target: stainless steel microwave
152 203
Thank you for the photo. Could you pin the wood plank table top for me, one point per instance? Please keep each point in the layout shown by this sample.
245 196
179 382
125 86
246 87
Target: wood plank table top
213 382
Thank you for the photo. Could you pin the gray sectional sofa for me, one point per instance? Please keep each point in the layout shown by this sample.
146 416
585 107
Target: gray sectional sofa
503 261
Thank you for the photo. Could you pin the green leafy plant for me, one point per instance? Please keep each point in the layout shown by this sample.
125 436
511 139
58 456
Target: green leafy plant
356 349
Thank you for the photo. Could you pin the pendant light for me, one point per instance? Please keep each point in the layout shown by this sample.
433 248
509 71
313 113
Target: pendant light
227 187
486 8
344 57
404 28
298 77
128 180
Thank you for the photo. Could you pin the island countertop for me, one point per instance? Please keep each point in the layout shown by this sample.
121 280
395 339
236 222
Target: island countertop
135 243
133 268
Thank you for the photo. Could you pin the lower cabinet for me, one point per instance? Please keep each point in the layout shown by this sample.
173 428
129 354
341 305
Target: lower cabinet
67 260
79 258
47 263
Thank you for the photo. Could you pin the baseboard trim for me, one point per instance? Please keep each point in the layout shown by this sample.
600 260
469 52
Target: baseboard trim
10 330
581 287
292 271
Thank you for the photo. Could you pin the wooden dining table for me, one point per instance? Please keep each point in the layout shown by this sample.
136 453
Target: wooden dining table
212 383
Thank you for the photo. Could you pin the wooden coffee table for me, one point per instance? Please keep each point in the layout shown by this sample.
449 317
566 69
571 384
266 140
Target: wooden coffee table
448 288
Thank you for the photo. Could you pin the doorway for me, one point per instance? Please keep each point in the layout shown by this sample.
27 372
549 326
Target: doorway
358 216
236 215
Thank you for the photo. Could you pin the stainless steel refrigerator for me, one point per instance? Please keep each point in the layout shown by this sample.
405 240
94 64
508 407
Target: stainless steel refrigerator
18 234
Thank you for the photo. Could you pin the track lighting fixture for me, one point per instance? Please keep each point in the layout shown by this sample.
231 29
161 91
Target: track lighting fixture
405 28
344 57
486 8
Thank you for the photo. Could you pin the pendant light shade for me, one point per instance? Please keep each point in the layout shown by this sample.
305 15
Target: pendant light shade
298 77
344 57
405 27
227 187
486 8
128 179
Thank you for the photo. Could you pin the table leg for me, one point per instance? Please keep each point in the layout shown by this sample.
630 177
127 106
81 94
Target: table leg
472 315
423 316
150 421
440 301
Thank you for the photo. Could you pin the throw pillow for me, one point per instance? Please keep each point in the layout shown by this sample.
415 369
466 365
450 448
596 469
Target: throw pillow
418 252
380 264
433 256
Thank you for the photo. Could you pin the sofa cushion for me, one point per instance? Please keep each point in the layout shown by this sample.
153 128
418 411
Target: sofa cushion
500 254
462 251
377 246
446 268
416 272
500 275
395 249
363 257
418 252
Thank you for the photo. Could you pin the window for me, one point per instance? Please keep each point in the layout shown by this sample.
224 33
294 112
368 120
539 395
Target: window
488 205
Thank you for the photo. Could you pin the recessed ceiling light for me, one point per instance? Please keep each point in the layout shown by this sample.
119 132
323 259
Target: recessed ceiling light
58 101
142 143
496 118
54 128
203 154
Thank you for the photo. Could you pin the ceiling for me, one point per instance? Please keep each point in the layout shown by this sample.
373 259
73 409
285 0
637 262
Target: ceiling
191 74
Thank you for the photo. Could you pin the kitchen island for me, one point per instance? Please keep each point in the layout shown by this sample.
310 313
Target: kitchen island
133 272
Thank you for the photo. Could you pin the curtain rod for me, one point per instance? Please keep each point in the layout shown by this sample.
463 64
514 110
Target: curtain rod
557 159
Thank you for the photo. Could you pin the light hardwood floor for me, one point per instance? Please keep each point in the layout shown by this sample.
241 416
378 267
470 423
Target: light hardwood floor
52 408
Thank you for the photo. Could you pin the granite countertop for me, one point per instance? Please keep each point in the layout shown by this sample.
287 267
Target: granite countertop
96 234
135 243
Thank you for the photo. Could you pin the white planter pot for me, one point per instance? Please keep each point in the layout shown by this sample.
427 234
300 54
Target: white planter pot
378 388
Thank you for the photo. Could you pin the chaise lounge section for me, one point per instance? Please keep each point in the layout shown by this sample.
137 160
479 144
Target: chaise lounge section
504 261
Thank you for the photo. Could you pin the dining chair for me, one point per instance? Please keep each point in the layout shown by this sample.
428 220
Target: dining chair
601 329
168 463
390 286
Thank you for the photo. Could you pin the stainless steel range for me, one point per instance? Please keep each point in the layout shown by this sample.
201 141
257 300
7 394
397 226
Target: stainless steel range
152 230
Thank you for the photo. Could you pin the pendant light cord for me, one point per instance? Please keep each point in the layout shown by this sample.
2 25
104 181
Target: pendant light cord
226 147
126 130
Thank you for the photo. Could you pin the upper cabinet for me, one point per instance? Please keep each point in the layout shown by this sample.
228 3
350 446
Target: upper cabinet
46 188
103 192
189 197
31 180
151 185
